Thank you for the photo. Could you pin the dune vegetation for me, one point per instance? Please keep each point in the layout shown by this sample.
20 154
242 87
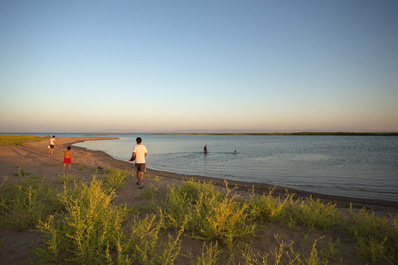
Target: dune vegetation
82 224
6 139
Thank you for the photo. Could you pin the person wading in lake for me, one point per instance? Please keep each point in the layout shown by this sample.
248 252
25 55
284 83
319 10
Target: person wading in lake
139 153
205 149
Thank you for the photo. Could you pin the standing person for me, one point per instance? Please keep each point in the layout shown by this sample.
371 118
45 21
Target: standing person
51 142
68 158
205 149
139 153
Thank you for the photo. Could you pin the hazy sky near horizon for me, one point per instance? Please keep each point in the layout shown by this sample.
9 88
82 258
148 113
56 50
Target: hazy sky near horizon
151 66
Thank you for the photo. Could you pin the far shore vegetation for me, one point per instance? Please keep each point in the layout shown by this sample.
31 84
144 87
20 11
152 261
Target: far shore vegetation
8 139
82 224
297 133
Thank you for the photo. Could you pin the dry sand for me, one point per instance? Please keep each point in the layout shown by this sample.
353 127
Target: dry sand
15 246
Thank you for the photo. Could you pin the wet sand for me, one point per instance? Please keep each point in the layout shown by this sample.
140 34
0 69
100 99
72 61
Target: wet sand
34 159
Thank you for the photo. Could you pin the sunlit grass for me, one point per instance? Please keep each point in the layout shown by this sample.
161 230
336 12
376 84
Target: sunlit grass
82 225
88 229
24 203
115 178
7 139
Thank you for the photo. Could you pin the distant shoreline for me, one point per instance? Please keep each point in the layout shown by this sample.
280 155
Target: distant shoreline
295 133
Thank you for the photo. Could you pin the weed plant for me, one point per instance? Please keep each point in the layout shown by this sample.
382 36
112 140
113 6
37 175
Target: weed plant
68 178
19 139
211 254
146 243
267 207
88 230
376 237
23 204
283 253
115 178
315 214
211 215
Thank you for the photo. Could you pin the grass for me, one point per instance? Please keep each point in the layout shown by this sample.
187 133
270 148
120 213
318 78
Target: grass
376 237
82 225
115 178
24 203
211 215
7 139
87 230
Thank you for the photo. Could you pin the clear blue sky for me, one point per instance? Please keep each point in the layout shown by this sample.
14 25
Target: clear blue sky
149 66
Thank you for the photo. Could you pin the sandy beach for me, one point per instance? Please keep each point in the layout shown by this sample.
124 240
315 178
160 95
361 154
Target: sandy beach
15 246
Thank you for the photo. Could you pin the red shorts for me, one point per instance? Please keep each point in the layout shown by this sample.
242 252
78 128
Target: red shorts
66 160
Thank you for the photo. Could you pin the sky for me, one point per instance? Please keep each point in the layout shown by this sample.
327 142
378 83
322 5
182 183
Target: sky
164 66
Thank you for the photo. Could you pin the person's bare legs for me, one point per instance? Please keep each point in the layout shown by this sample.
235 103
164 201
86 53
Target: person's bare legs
140 179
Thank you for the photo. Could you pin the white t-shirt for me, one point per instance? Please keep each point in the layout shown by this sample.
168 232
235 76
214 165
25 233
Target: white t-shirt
52 141
140 151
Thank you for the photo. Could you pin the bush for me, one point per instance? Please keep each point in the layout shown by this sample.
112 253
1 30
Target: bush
210 214
88 230
114 178
376 237
316 214
25 203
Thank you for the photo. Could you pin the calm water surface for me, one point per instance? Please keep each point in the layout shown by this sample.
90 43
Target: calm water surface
355 166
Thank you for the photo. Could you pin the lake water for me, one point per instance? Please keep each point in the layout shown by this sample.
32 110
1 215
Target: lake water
355 166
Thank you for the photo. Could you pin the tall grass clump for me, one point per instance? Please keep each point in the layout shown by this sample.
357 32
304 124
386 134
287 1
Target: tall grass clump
267 207
315 214
147 244
283 253
24 203
115 178
88 230
376 237
8 139
211 215
211 254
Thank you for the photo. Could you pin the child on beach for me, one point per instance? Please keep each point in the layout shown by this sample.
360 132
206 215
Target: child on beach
68 158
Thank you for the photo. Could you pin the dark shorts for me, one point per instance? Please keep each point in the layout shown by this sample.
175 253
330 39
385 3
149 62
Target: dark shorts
51 146
140 167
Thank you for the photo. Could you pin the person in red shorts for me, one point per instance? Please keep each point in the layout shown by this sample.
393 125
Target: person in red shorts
68 158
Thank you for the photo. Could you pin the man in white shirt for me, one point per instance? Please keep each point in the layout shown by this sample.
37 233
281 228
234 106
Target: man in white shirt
140 153
51 143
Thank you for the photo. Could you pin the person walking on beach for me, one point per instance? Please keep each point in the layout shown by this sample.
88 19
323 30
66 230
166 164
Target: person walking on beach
51 143
68 158
139 153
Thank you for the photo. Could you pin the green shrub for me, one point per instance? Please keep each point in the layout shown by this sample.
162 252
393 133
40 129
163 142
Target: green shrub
19 139
376 237
210 214
88 230
23 204
115 178
316 214
146 244
210 255
267 207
